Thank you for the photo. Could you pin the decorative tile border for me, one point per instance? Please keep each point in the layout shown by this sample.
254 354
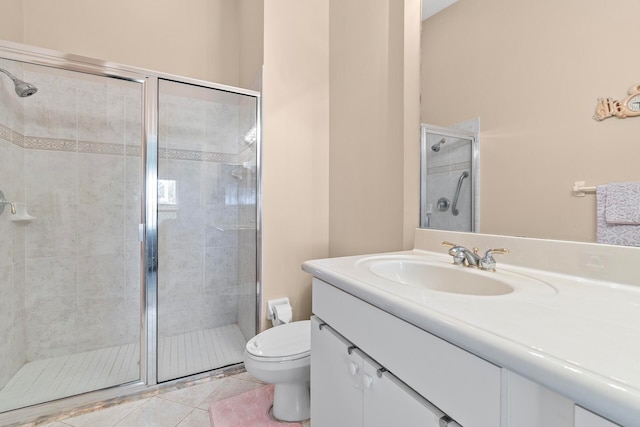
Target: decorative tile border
449 168
5 133
133 151
66 145
49 144
17 139
101 148
201 156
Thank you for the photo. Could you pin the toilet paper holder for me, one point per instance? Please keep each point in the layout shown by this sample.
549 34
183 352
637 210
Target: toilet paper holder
271 304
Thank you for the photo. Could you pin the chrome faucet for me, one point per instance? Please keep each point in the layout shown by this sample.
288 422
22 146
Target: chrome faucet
464 257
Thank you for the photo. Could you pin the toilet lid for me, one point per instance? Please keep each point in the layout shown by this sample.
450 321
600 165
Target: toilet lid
292 339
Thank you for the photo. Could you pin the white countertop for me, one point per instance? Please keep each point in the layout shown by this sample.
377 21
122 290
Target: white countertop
579 337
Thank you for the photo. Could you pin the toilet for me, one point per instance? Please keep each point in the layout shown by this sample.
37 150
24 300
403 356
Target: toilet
281 356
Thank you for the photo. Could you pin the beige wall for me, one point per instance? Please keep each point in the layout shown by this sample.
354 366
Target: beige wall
213 40
338 84
532 72
194 38
412 59
296 147
251 19
11 20
366 199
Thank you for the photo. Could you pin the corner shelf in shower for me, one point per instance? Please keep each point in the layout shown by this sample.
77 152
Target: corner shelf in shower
21 214
22 218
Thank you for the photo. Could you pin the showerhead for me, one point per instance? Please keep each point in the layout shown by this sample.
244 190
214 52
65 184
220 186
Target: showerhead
436 147
23 89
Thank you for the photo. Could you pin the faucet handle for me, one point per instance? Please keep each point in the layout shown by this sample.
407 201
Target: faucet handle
501 251
488 262
456 252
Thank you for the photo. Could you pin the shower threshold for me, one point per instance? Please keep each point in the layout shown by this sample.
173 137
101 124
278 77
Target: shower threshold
63 376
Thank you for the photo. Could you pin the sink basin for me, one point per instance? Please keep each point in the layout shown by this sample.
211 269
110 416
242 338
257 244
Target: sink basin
446 277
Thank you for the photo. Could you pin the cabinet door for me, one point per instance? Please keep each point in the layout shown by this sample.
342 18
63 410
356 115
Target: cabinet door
461 384
528 404
336 385
585 418
390 402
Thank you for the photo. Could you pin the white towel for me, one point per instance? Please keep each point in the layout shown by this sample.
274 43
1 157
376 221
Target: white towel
613 234
622 205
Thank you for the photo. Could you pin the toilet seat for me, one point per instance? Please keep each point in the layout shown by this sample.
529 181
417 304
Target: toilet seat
285 342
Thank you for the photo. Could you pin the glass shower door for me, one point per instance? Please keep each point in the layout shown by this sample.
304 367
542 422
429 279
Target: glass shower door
70 263
206 228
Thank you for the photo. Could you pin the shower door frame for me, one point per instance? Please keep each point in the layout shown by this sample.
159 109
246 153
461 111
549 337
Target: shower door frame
148 229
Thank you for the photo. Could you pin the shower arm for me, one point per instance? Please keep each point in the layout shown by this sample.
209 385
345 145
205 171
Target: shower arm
11 76
454 209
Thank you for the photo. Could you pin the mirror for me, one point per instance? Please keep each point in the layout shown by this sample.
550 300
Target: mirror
532 72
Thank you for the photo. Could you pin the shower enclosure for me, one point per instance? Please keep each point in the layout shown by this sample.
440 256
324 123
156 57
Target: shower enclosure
130 229
449 177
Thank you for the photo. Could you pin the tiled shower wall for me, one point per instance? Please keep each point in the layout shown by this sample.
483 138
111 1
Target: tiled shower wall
206 273
82 181
444 169
13 318
70 156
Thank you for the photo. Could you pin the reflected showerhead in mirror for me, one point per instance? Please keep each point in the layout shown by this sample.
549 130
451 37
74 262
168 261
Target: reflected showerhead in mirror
436 147
23 89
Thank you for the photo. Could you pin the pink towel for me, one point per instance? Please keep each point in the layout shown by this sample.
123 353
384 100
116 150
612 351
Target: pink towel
622 205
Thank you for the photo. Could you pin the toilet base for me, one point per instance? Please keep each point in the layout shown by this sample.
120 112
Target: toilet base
291 401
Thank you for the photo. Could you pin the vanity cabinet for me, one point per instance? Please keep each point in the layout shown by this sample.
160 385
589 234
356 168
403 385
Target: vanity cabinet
418 364
370 368
350 389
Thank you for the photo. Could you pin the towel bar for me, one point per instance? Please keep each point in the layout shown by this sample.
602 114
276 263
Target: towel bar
580 190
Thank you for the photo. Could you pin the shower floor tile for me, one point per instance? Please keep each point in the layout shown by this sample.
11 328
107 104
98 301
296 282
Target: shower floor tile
199 351
62 376
180 355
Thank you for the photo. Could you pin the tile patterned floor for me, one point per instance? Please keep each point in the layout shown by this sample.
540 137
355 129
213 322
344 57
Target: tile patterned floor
179 356
186 407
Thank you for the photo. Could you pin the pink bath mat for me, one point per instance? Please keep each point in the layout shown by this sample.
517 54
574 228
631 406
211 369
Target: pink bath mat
249 409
